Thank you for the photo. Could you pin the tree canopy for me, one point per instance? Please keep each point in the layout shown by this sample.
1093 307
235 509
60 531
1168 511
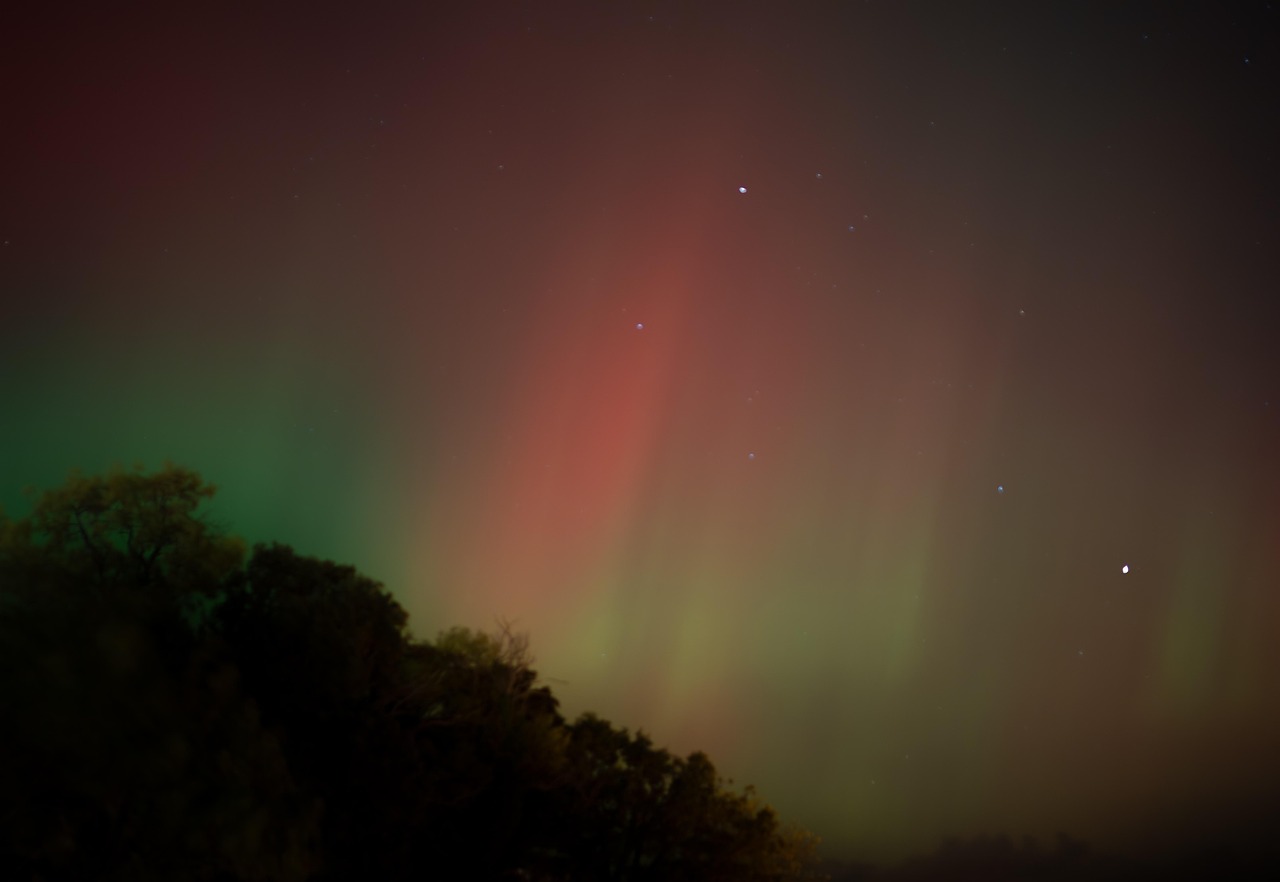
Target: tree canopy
178 708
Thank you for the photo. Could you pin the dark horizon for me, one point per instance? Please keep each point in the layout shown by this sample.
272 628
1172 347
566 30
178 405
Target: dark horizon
880 397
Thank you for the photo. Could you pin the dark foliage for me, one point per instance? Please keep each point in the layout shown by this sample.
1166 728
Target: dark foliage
175 712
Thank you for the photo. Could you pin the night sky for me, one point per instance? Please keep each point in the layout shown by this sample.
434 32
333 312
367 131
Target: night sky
802 379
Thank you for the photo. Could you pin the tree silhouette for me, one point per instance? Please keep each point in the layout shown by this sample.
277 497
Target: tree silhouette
128 528
130 748
641 813
179 713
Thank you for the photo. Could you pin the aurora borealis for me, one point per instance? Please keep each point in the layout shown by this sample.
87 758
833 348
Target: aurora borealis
833 478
